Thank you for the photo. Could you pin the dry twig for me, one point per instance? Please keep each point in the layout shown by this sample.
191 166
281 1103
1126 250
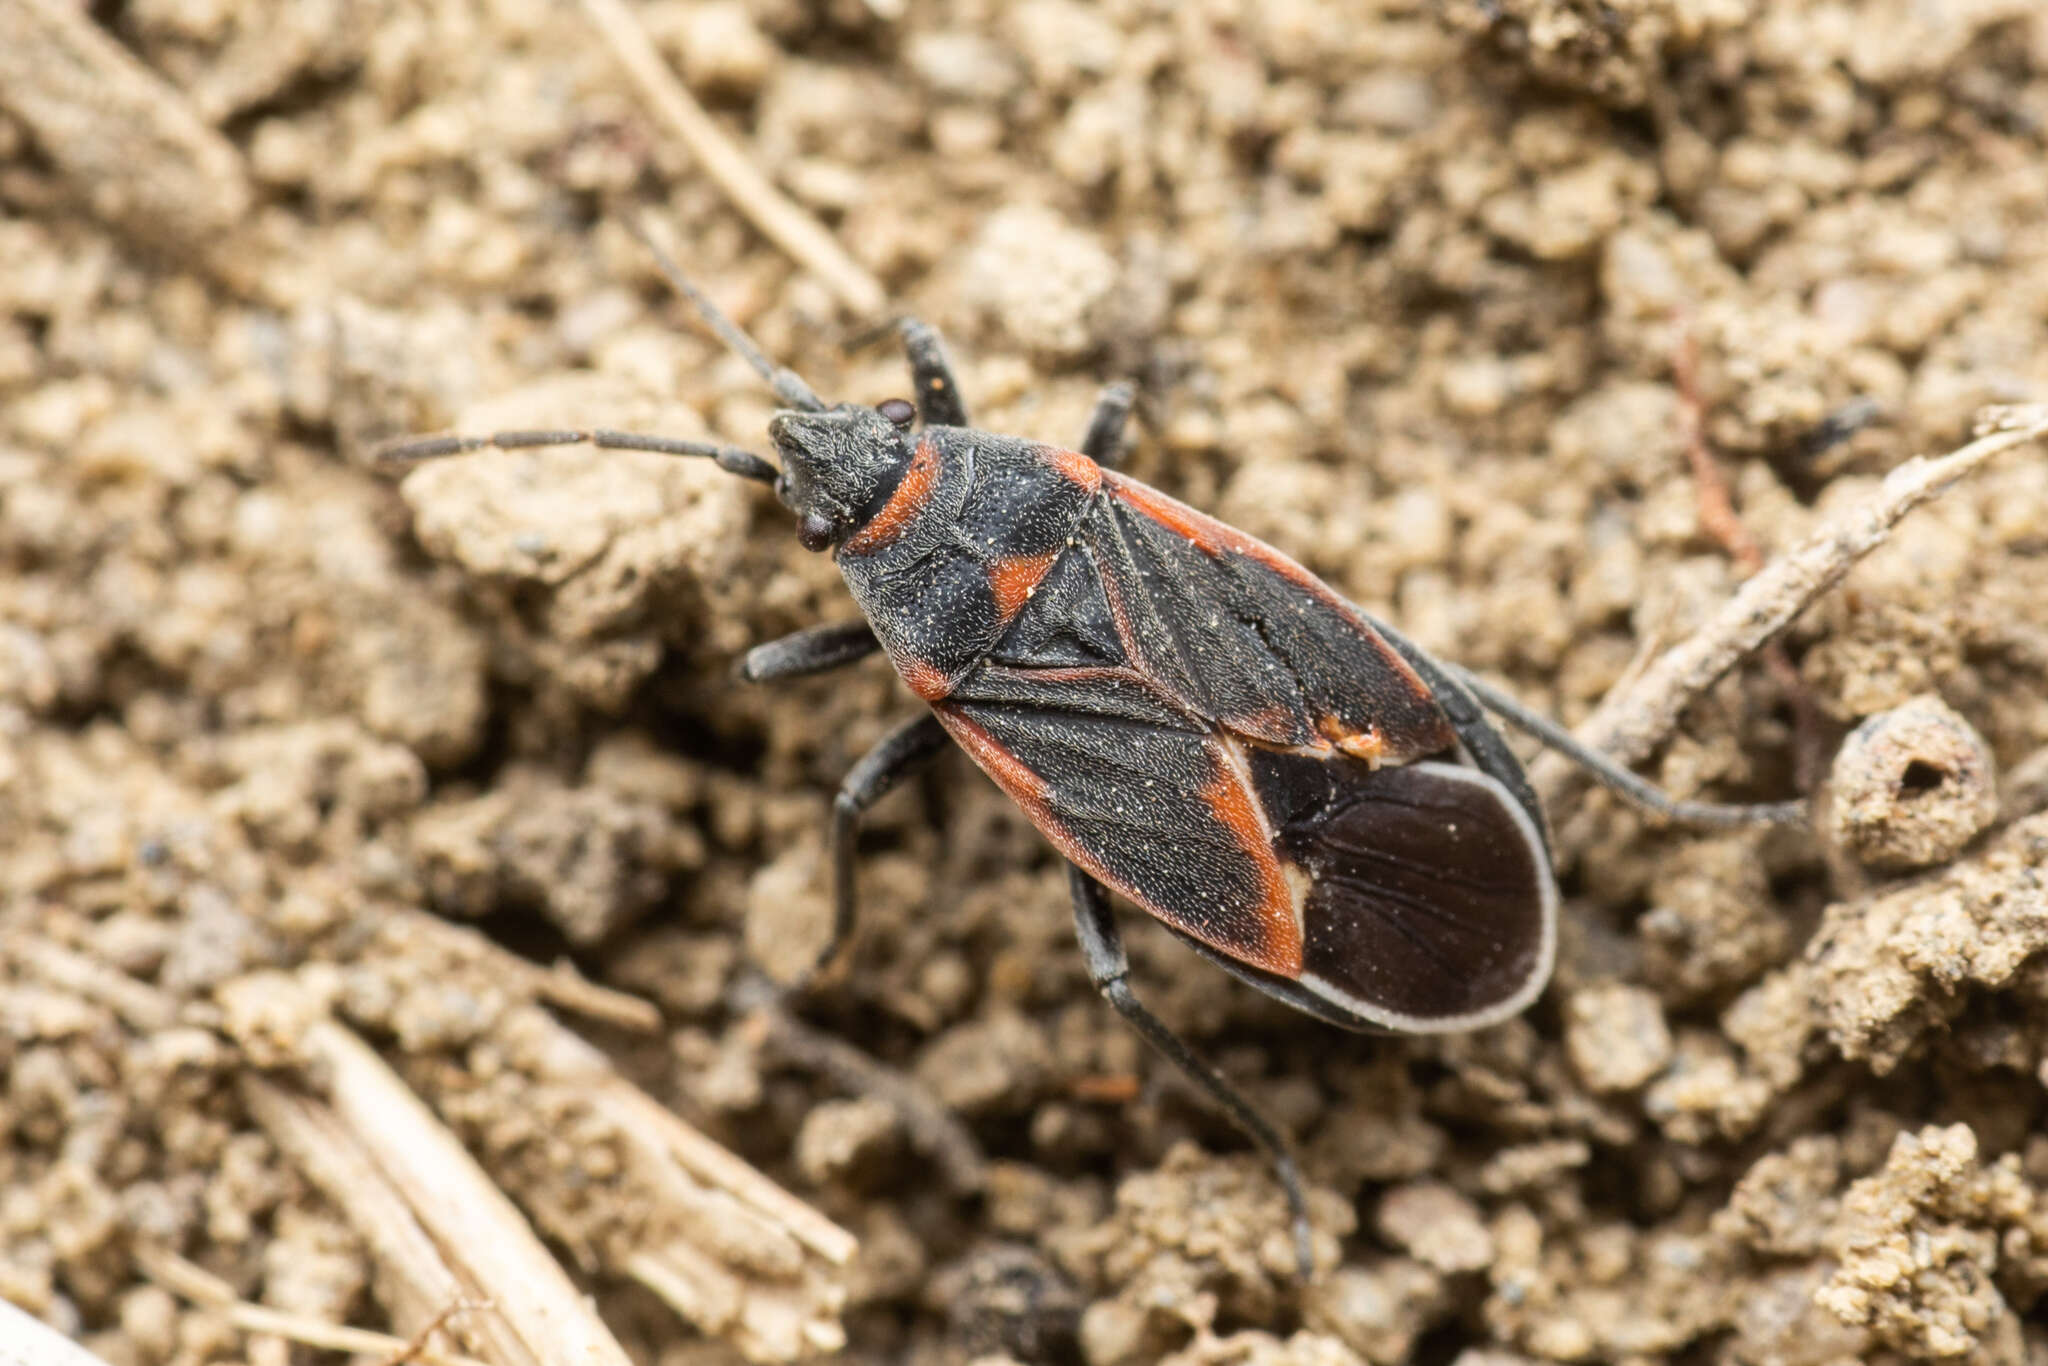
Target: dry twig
725 1247
27 1341
932 1129
741 1258
635 1112
414 1282
415 1348
1716 501
201 1287
128 143
728 1249
774 213
560 985
1718 517
1629 724
460 1205
141 1007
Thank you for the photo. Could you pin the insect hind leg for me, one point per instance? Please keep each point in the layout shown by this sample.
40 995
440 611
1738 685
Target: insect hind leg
1631 787
731 459
1463 694
1102 948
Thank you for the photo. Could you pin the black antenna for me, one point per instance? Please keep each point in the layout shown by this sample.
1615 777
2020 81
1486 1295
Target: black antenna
787 384
731 459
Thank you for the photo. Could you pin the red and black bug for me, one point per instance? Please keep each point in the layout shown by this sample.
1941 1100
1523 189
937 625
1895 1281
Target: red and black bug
1192 719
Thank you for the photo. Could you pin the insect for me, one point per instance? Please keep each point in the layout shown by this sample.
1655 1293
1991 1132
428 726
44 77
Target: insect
1192 719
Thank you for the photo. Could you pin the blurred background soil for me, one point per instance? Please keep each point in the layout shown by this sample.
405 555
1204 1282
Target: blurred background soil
1430 297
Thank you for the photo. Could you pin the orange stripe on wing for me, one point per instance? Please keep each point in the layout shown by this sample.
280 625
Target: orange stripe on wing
1230 799
1011 774
1215 538
1211 536
1279 949
924 680
1075 467
1014 578
1368 744
1022 784
903 505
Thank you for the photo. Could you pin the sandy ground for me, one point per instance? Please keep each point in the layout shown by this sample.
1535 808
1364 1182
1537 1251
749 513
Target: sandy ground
1429 299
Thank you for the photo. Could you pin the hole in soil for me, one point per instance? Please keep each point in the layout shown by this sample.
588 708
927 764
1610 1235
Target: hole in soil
1920 778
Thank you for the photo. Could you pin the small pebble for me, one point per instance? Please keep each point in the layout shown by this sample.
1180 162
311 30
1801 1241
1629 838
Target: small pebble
723 51
1437 1226
839 1136
1616 1036
1005 1301
1910 787
1047 282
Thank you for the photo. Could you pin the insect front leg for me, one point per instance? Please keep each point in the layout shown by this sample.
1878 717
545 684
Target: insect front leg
1103 442
938 393
1102 948
903 751
812 650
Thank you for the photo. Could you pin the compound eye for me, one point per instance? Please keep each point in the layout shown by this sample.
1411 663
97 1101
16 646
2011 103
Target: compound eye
814 532
897 410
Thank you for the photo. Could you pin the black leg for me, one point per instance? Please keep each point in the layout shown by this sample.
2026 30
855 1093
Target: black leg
731 459
810 651
1104 442
1639 791
1103 950
895 756
938 393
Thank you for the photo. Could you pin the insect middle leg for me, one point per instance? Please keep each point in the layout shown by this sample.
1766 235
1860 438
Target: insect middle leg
902 752
1102 948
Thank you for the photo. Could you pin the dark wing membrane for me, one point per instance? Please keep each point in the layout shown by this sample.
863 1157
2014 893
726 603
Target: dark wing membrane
1166 816
1247 636
1429 903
